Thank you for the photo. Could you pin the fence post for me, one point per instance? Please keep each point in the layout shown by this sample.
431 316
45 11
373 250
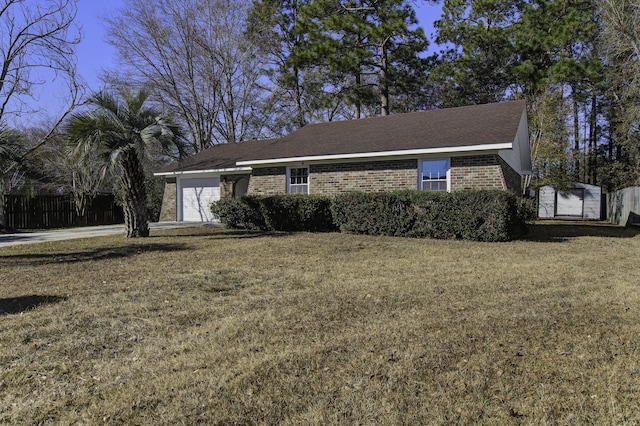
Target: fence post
3 223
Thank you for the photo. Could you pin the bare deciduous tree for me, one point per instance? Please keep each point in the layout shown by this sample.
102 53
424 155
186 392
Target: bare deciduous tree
11 150
192 56
37 43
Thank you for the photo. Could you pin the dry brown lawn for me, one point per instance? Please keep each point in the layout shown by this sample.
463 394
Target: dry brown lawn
219 327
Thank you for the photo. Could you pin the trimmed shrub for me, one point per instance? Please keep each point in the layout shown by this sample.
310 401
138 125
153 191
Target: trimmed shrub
527 209
276 213
469 215
381 213
239 212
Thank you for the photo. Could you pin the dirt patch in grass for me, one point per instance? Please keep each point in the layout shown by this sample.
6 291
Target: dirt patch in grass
218 327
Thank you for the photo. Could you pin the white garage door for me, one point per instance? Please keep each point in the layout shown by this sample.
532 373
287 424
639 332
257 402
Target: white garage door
197 196
569 203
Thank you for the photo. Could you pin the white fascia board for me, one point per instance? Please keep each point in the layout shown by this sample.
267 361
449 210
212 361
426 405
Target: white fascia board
365 155
200 172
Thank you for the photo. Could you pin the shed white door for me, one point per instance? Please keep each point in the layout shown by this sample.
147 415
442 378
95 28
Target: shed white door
197 196
547 202
570 203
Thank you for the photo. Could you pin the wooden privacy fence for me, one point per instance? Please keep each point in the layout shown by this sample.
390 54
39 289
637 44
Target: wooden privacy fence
623 206
58 211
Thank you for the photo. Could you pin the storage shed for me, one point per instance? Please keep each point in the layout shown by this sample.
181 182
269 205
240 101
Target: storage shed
582 201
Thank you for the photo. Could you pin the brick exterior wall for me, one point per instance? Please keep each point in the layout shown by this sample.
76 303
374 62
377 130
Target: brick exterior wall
511 177
168 211
370 176
268 181
477 172
469 172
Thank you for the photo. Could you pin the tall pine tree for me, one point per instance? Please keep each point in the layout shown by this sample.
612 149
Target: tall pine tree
300 93
542 50
478 65
371 48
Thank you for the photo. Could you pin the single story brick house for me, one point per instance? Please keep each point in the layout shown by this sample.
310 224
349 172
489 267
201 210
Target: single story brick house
472 147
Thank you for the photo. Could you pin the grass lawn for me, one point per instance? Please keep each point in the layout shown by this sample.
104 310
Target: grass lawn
221 327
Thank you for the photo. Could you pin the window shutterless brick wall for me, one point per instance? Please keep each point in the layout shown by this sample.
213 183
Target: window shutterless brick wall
477 172
472 172
369 176
268 181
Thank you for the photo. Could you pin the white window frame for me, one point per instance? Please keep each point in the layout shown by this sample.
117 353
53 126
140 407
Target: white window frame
297 185
421 168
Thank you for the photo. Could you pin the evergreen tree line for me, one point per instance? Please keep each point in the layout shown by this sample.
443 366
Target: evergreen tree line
234 70
574 61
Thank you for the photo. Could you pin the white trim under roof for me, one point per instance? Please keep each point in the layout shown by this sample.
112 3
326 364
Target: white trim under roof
199 172
406 152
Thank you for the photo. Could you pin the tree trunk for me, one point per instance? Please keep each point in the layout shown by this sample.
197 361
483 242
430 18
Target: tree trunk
298 90
576 136
358 101
134 204
384 83
593 140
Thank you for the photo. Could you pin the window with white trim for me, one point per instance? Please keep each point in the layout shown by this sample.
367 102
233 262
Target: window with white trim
298 180
434 175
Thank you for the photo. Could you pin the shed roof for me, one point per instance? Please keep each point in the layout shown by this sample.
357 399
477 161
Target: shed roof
450 128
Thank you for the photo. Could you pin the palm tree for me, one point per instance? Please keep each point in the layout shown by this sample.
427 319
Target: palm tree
122 133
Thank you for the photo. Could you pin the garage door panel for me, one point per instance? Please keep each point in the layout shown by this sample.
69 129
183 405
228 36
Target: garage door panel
197 196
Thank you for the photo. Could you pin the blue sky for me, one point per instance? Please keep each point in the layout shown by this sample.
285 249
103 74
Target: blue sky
95 55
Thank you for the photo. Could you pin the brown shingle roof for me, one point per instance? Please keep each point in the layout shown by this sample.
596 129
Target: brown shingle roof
486 124
222 156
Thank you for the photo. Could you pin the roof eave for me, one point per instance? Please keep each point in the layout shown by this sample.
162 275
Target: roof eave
380 154
200 172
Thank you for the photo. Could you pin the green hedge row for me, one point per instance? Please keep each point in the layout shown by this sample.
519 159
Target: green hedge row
468 215
289 213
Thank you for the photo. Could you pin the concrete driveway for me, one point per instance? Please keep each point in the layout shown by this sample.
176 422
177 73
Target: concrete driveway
85 232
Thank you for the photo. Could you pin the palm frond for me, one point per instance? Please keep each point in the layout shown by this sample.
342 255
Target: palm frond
135 102
113 126
107 103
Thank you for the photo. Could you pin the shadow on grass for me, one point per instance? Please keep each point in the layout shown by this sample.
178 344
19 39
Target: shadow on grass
563 231
101 253
16 305
11 238
223 233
